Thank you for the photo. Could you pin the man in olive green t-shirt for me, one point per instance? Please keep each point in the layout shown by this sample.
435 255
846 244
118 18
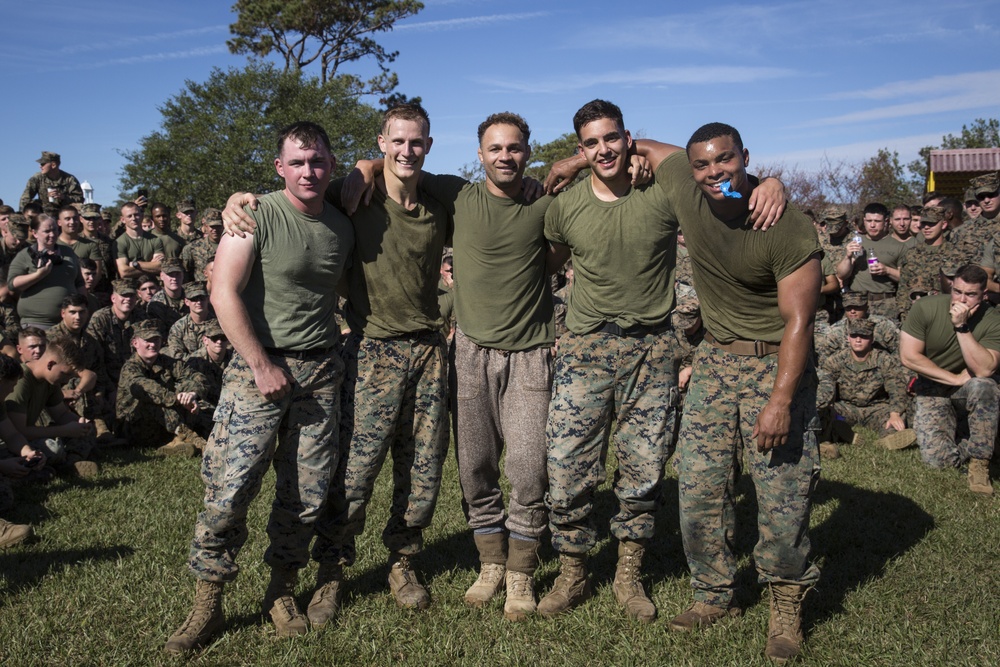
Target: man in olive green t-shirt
280 398
953 342
753 382
502 369
874 269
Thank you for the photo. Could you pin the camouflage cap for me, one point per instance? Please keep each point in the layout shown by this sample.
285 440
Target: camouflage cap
211 217
171 265
91 211
861 328
932 214
147 330
949 269
124 287
48 156
213 329
855 300
835 218
185 206
195 289
17 224
970 195
985 183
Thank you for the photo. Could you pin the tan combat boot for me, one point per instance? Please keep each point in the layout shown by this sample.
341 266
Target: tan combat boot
280 604
522 561
13 533
628 583
701 615
76 465
325 603
493 567
177 447
405 587
196 440
571 589
898 440
979 476
204 621
829 450
784 631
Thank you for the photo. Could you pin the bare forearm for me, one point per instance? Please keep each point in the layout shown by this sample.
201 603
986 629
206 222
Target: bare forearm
980 361
793 356
921 364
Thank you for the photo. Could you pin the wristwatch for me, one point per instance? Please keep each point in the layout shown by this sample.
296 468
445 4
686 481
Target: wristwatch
965 328
134 264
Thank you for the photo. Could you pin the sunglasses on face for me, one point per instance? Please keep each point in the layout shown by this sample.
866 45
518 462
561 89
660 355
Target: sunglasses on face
986 195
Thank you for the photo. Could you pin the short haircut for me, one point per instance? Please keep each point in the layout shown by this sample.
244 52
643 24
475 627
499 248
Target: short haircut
147 278
30 332
128 205
596 110
10 368
901 207
159 205
6 210
876 208
66 350
505 118
87 263
972 274
710 131
929 196
67 207
952 204
74 301
306 133
33 206
408 111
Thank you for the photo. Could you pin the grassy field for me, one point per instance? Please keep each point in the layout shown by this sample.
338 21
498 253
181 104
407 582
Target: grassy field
911 576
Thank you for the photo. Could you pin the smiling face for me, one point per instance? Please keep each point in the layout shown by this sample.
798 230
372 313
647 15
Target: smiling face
504 153
405 144
717 160
47 233
605 144
147 349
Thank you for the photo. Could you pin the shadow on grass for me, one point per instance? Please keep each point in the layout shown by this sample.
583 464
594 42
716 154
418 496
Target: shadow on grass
867 531
23 569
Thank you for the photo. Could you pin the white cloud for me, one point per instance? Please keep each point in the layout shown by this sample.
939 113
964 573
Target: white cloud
121 42
150 58
467 22
811 159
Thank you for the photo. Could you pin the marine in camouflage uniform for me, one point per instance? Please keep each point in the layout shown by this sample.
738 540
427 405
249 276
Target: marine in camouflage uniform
863 392
106 247
196 255
111 327
38 185
834 338
974 239
920 267
147 408
91 404
162 306
212 369
833 237
185 212
185 334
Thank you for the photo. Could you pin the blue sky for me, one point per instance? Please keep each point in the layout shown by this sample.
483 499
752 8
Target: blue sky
801 80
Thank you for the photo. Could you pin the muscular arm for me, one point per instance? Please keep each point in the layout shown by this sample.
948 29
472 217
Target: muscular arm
912 354
830 285
797 305
980 361
233 263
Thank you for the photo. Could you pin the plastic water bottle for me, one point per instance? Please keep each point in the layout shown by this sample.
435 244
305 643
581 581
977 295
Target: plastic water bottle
857 239
872 259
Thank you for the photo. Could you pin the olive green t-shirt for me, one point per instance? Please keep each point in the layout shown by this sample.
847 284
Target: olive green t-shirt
393 278
502 297
84 247
140 249
888 251
300 258
736 269
30 396
40 303
172 244
929 320
624 254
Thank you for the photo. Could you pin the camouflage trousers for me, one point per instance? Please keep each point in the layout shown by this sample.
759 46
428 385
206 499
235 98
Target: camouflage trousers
872 416
151 425
886 308
938 410
501 401
297 434
600 381
395 399
726 395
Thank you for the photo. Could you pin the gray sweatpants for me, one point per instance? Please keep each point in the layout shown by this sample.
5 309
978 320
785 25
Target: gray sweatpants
500 404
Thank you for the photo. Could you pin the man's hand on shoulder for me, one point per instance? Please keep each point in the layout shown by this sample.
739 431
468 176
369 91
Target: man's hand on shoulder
767 203
236 221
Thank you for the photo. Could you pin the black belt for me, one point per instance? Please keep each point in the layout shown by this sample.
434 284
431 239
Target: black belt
745 348
298 354
635 331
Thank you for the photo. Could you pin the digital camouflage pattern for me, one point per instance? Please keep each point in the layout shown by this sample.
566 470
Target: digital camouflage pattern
166 309
38 186
147 409
726 395
298 433
195 257
114 336
920 270
833 338
213 372
620 390
937 412
394 400
863 392
185 337
92 358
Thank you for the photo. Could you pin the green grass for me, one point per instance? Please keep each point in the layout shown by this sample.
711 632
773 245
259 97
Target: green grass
909 559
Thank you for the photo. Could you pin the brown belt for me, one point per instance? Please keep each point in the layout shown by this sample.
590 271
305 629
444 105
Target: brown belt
880 296
745 348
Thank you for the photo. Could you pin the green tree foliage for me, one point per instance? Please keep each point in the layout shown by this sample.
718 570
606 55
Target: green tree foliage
543 156
218 137
329 33
880 178
983 133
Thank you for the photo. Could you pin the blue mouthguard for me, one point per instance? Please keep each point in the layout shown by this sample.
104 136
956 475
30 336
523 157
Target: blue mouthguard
726 192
